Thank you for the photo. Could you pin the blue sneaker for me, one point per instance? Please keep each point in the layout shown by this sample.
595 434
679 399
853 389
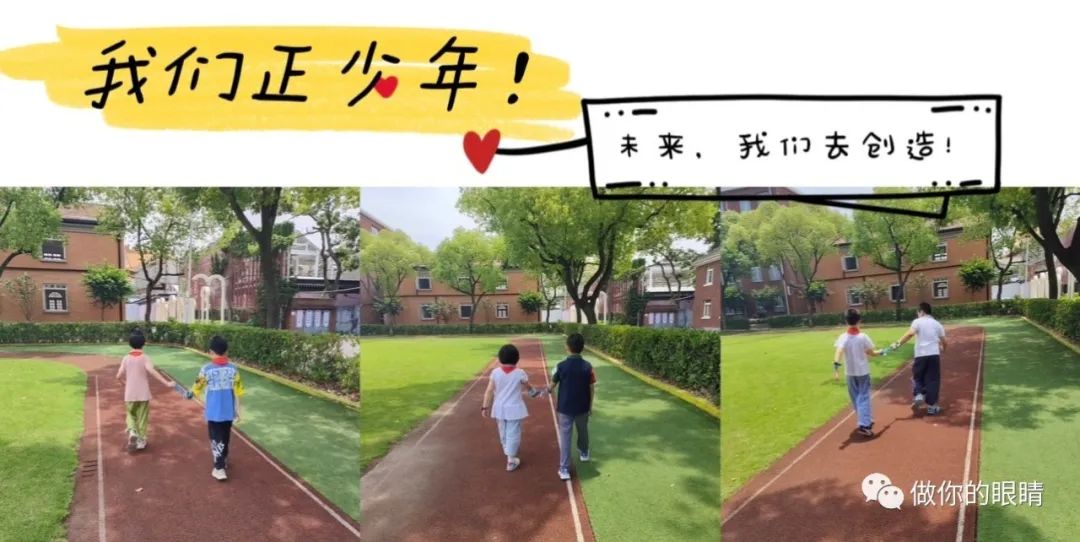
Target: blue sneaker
584 456
564 474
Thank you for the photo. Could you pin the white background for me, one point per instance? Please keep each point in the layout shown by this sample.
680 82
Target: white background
1024 51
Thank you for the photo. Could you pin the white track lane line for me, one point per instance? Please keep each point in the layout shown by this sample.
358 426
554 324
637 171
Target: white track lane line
100 465
971 439
555 421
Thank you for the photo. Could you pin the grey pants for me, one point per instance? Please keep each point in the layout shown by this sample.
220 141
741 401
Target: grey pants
566 428
510 436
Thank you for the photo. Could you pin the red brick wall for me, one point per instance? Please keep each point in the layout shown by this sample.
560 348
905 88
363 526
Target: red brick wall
413 299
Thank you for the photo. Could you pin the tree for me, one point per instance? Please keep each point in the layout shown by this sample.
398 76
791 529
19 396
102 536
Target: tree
1050 204
765 299
735 298
1006 243
816 293
1017 208
107 286
388 258
531 302
799 237
871 293
588 241
335 213
918 285
25 294
977 274
157 223
738 253
442 310
266 203
470 262
899 243
677 269
29 217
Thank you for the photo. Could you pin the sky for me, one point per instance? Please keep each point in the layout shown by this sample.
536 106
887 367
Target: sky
428 215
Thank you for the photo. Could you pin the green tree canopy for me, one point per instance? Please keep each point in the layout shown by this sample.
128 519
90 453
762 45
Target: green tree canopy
387 259
471 262
107 286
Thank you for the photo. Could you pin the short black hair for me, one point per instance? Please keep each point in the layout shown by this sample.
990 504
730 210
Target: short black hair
852 317
925 308
219 345
509 355
137 340
576 343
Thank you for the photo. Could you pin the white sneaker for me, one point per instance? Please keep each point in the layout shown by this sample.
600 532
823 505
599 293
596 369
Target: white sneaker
219 475
564 474
131 441
140 444
919 401
512 464
583 456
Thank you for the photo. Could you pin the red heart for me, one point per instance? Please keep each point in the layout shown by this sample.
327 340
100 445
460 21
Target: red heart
386 86
481 151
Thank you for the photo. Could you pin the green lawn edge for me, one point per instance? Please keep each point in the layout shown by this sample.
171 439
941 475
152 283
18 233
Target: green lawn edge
703 404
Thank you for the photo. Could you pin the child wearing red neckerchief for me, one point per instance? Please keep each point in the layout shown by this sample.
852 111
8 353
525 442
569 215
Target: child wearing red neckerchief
134 370
854 348
219 380
503 401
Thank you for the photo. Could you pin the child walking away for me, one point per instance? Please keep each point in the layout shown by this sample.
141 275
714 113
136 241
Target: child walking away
503 402
576 382
854 348
134 369
219 380
930 343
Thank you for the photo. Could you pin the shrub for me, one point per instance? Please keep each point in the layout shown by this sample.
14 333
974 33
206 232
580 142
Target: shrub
316 358
735 323
1040 310
460 329
687 358
1067 317
1009 307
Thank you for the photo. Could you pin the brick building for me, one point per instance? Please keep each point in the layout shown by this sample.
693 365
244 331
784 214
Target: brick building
707 294
842 272
420 290
58 274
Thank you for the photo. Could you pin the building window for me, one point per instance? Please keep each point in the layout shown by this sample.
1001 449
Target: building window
942 253
465 311
853 297
941 289
423 279
52 250
746 206
426 312
56 297
780 307
896 293
502 310
706 310
375 229
709 276
774 272
304 265
755 274
502 285
851 263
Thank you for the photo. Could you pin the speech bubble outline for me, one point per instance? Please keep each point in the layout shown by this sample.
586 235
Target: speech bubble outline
890 497
873 483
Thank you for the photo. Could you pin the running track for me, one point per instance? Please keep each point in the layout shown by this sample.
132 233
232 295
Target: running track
165 493
447 481
813 493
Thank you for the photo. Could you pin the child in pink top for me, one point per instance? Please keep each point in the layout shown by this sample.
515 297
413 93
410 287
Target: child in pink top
136 366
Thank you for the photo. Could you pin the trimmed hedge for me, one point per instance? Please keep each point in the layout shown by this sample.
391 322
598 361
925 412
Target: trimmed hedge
1010 307
460 329
732 323
316 358
688 358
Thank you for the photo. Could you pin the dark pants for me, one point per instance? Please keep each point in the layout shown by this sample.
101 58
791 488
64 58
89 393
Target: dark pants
219 442
926 378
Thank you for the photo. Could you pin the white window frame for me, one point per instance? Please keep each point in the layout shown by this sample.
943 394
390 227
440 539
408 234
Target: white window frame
709 276
944 253
706 310
756 274
504 285
63 251
45 289
774 273
499 306
429 311
844 260
933 288
903 292
462 306
850 292
419 278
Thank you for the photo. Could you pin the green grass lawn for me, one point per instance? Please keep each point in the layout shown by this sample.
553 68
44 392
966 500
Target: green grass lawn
282 420
777 388
1030 431
41 419
403 380
654 473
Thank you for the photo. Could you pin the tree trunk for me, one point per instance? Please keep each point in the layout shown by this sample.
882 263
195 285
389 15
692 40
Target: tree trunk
1000 285
1051 274
271 281
149 297
589 309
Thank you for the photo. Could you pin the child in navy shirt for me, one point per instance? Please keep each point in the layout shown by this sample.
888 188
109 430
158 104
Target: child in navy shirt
220 381
575 379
